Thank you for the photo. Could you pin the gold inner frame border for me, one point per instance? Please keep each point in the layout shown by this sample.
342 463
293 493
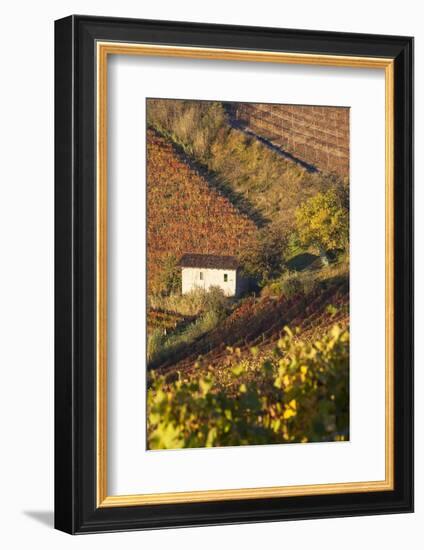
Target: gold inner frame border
103 50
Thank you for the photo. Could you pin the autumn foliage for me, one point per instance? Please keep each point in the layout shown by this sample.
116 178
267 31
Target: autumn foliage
300 395
185 213
271 365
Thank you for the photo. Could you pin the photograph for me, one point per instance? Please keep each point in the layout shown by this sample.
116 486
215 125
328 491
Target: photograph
247 275
210 289
233 252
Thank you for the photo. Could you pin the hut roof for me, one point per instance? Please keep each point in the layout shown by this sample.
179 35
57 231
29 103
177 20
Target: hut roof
209 261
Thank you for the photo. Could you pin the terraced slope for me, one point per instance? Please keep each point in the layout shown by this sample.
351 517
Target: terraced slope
317 137
261 176
185 214
259 322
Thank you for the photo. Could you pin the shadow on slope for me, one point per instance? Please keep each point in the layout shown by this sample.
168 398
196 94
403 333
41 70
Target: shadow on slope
240 203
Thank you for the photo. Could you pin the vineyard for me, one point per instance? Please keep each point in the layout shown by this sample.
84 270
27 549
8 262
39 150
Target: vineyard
258 175
316 136
186 214
253 380
259 322
271 364
297 393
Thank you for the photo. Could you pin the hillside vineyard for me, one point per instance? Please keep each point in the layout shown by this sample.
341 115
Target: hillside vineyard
248 274
318 136
185 213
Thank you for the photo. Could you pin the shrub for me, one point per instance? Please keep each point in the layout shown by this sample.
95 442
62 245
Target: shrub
309 284
264 259
170 275
289 284
214 300
213 307
154 343
191 304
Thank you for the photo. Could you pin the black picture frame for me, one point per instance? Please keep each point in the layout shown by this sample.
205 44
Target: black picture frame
76 510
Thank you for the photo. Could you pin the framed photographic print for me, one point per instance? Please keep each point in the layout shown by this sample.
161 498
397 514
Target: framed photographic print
234 274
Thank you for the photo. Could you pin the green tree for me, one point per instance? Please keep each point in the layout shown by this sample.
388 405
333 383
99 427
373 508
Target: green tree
170 279
265 258
323 222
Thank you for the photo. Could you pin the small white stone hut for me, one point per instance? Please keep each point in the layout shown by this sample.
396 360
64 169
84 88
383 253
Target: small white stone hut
208 270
